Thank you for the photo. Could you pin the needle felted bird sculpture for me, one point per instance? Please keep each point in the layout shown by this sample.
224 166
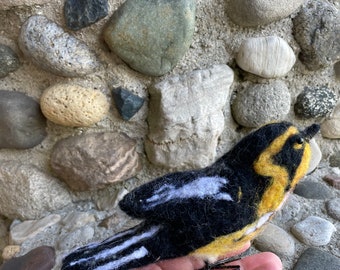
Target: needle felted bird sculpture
207 212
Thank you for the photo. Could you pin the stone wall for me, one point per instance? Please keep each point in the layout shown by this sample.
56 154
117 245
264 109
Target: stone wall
92 107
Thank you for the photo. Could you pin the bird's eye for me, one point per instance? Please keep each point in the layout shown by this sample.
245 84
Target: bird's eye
299 140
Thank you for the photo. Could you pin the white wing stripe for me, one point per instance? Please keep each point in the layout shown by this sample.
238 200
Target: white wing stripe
199 188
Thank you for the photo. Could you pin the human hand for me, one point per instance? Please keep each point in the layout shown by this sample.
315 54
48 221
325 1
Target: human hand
261 261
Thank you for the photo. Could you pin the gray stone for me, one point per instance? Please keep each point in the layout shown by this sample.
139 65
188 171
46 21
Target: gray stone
330 128
40 258
315 102
276 240
9 60
78 237
81 13
316 156
314 231
92 161
313 258
261 103
43 41
22 124
32 194
19 233
313 190
186 119
127 103
260 12
334 160
289 211
151 36
337 70
333 208
316 29
333 180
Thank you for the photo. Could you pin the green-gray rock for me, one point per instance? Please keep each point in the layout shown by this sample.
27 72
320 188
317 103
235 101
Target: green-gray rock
151 36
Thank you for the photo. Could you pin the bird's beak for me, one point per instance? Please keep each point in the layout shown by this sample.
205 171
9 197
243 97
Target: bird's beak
309 132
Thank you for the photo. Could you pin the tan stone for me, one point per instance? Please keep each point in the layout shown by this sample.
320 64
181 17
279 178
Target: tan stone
73 105
330 128
10 251
91 161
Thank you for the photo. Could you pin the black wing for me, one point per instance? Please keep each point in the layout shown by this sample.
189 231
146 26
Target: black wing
178 196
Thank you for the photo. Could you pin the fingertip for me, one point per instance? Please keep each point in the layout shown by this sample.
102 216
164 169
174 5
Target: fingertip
261 261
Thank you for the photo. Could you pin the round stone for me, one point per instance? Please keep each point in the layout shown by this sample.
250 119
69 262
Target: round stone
313 190
81 13
73 106
333 208
151 36
314 258
260 104
22 124
276 240
9 61
43 41
330 128
315 102
267 57
260 12
316 29
314 231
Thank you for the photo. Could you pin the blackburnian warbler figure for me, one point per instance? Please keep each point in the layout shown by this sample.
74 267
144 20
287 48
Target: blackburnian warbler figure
207 212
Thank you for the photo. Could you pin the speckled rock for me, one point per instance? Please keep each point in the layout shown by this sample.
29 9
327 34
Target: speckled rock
184 125
330 128
316 29
313 190
314 258
333 208
267 57
32 194
43 42
40 258
22 124
127 103
276 240
151 36
73 105
315 102
92 161
9 61
260 12
81 13
19 233
261 103
314 231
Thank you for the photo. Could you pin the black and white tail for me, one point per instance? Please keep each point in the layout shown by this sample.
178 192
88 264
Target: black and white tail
126 250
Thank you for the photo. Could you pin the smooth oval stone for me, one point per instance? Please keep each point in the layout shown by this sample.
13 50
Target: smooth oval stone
81 13
22 124
151 36
9 61
73 106
54 50
267 57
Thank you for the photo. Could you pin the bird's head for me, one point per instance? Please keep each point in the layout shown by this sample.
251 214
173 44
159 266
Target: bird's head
280 154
